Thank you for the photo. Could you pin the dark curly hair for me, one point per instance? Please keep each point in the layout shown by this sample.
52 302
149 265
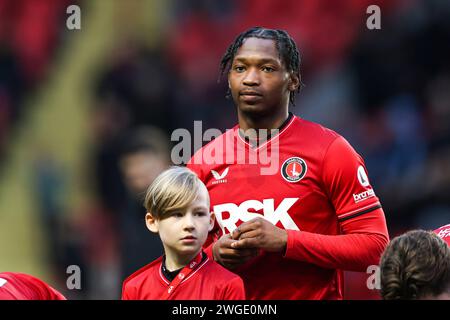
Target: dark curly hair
415 265
285 45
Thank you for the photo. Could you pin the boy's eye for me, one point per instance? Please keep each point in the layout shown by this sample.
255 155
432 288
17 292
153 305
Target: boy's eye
177 214
200 213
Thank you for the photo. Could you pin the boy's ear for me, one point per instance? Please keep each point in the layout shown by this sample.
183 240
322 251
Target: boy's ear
151 222
212 218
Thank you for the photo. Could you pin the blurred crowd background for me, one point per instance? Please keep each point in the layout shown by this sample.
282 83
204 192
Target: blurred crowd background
86 116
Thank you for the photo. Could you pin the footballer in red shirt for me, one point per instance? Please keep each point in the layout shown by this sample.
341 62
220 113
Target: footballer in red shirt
294 208
20 286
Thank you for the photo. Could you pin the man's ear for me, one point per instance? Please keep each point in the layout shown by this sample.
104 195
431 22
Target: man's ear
212 218
294 82
151 223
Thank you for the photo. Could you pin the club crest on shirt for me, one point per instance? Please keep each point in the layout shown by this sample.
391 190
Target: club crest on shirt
294 169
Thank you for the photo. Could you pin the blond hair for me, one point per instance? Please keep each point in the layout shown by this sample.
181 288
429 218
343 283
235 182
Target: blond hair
174 189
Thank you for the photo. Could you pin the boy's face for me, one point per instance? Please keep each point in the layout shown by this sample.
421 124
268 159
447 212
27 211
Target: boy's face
258 79
184 232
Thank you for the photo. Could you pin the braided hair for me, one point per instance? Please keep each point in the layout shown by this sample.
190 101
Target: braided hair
285 45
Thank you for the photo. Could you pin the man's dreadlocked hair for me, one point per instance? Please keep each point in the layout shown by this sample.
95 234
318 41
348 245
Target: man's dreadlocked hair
285 45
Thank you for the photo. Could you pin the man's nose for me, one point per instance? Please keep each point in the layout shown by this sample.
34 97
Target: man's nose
251 78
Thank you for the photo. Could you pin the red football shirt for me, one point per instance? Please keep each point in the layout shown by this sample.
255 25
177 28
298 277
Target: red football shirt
19 286
444 233
316 188
209 281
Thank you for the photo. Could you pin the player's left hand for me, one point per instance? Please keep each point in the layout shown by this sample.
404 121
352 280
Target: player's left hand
260 233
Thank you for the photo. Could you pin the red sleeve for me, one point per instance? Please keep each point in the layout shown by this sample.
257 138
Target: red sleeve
346 182
364 240
359 214
234 290
126 292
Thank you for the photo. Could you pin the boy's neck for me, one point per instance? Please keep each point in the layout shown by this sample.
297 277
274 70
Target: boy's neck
174 262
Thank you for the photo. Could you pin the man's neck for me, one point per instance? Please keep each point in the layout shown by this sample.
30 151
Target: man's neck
270 122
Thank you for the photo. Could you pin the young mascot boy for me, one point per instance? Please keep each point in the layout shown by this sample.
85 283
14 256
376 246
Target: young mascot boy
177 204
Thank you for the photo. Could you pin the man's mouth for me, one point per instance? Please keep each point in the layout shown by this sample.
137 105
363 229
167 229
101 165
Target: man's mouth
250 96
250 93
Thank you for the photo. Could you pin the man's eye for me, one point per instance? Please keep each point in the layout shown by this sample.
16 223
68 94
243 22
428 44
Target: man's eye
268 69
239 68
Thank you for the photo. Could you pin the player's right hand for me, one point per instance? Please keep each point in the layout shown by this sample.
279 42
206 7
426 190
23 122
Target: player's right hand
229 257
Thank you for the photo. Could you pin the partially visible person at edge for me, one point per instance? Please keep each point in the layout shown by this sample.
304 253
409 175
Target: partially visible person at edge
416 266
444 233
289 234
21 286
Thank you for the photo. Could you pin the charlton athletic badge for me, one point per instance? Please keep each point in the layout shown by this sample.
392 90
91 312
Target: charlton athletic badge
293 169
